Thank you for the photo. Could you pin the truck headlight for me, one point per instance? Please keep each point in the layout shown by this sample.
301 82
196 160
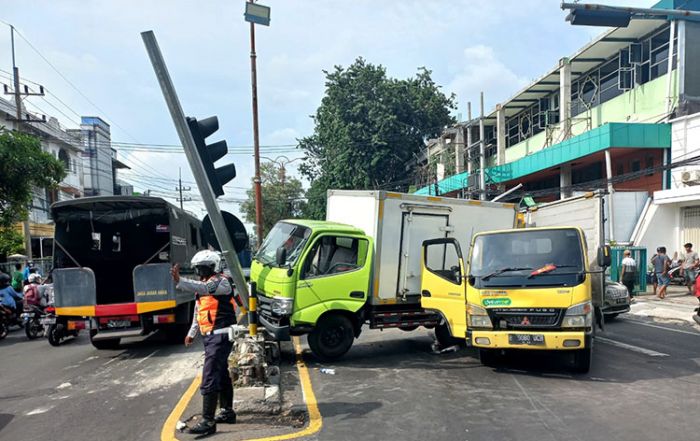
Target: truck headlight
477 317
282 306
578 316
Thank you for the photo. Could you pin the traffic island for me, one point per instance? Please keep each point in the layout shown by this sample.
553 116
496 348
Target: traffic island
263 410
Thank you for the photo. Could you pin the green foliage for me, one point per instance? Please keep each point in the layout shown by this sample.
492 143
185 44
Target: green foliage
11 242
282 197
368 130
23 165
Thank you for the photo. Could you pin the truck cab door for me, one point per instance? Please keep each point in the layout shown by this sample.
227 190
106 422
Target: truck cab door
443 285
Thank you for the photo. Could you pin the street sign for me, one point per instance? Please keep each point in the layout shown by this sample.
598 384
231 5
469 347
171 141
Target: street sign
256 13
235 228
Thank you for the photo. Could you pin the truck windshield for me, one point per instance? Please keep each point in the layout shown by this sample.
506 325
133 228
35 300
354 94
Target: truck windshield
291 236
527 258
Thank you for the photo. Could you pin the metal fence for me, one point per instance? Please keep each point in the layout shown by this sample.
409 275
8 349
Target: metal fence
42 265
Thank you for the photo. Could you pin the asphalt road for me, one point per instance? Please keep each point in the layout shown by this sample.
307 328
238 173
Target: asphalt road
645 385
75 392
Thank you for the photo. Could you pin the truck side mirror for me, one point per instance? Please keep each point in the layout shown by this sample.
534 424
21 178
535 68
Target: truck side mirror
604 258
281 256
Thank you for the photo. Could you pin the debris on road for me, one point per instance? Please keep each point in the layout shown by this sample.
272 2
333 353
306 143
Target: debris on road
327 371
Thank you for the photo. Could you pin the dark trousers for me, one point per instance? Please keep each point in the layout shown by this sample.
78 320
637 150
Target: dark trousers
630 286
215 376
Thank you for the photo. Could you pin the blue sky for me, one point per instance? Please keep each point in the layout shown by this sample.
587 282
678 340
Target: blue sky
494 46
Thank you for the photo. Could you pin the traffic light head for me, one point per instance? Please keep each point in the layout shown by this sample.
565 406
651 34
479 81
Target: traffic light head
209 154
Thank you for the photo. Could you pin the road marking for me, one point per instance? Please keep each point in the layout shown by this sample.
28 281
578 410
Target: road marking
168 432
315 419
697 334
147 357
619 344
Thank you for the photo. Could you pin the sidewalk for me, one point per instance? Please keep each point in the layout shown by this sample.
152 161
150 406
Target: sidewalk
677 306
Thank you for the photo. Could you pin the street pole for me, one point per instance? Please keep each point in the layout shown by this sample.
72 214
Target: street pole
256 137
482 152
196 165
18 114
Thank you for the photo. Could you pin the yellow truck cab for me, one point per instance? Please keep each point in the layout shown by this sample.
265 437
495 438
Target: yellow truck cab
518 289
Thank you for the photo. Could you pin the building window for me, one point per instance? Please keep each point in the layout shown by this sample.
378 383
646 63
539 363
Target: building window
636 165
620 170
65 159
650 165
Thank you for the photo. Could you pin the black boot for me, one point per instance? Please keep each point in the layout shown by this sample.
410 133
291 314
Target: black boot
207 425
226 414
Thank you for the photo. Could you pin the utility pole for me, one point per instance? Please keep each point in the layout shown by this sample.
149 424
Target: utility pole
482 152
180 188
18 119
256 137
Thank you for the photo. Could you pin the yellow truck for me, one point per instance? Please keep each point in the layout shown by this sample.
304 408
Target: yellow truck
535 288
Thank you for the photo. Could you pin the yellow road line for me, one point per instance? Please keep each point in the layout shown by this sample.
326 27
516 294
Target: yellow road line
168 432
315 419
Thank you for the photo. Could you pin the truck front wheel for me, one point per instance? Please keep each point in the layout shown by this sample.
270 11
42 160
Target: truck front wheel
583 359
332 337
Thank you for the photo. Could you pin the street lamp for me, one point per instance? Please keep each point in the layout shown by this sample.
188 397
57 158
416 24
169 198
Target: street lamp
282 165
260 14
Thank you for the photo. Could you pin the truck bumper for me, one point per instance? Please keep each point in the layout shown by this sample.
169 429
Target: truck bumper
552 340
280 333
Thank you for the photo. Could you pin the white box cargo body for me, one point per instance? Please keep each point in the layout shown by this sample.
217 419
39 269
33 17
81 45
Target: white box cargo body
399 223
584 212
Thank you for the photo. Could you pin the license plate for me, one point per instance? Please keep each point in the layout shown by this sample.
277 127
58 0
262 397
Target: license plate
48 321
621 301
119 323
526 339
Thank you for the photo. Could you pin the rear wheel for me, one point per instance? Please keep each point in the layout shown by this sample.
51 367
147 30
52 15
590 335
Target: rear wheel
112 343
408 328
33 328
54 335
583 359
175 334
332 337
3 330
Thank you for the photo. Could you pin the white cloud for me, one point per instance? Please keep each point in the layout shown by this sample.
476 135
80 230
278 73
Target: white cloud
480 71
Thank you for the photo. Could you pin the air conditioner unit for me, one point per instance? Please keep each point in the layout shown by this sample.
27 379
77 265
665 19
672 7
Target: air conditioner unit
691 177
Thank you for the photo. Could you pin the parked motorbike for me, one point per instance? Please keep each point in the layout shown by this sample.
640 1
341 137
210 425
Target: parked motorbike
58 328
32 321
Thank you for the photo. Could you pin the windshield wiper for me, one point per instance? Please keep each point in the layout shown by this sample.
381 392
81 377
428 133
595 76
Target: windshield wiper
549 268
504 270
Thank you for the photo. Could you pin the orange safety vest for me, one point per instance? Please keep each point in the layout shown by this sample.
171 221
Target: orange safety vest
214 311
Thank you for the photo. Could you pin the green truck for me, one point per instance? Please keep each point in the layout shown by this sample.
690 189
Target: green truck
360 266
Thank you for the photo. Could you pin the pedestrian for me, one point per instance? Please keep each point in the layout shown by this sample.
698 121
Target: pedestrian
628 274
25 273
213 315
17 278
661 264
689 269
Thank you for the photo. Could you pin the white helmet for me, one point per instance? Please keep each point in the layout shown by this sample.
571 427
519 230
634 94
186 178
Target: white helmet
34 278
207 258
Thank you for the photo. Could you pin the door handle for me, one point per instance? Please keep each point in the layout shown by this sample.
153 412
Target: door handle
426 293
357 295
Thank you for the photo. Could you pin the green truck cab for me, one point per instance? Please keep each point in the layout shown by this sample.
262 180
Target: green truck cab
313 277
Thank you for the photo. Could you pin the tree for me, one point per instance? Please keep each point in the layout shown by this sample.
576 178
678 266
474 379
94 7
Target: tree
283 197
369 129
23 166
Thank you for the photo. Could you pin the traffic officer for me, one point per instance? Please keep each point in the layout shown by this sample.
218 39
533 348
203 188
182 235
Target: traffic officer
213 315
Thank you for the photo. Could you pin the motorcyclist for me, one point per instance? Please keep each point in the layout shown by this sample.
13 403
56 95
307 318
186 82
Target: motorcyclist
10 298
32 293
213 315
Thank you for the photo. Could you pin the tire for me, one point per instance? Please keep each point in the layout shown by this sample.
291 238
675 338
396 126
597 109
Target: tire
33 328
490 357
3 330
175 334
112 343
332 337
54 335
408 328
445 338
609 317
583 359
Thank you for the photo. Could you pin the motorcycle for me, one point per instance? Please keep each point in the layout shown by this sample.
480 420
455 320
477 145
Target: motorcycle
5 319
58 328
32 321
